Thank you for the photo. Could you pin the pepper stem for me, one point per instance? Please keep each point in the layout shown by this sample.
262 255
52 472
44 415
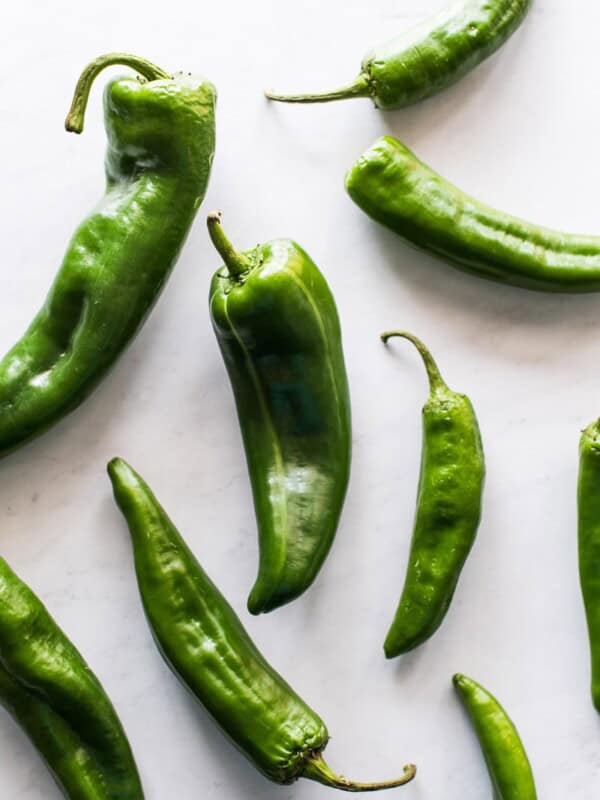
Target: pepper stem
360 87
236 263
75 117
316 769
436 382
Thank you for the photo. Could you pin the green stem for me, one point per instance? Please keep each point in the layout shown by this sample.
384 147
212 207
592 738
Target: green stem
317 770
436 382
74 120
236 263
360 87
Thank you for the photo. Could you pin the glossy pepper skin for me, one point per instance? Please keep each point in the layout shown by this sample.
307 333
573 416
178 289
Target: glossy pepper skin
448 510
206 646
394 188
54 696
278 331
160 146
505 756
588 497
430 57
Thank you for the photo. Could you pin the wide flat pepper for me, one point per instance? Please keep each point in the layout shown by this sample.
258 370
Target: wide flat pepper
161 138
277 326
203 641
54 696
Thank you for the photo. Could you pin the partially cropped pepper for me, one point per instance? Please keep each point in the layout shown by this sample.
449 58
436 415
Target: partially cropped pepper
505 756
205 644
278 330
588 503
55 697
160 147
391 185
448 509
430 57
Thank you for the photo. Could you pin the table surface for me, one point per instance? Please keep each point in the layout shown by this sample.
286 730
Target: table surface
520 133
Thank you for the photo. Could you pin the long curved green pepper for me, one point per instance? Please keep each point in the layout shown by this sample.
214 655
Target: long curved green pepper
206 646
505 756
588 497
448 509
161 137
278 330
54 696
430 57
394 188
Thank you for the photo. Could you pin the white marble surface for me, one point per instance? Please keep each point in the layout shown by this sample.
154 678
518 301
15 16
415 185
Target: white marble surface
521 133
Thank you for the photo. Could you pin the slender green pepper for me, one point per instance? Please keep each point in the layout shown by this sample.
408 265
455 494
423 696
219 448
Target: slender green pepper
160 147
430 57
204 643
278 330
502 748
51 692
393 187
448 510
589 543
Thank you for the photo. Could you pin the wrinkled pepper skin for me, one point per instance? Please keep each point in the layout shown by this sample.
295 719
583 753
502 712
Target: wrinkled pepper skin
54 696
278 330
160 147
204 643
448 510
391 185
588 502
505 756
431 56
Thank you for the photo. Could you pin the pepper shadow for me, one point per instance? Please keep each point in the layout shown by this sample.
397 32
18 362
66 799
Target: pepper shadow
485 85
215 748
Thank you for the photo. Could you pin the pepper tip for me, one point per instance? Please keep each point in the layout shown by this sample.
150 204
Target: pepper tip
114 465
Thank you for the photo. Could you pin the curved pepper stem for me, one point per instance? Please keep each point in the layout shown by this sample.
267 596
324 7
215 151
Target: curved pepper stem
75 117
316 769
236 263
360 87
436 382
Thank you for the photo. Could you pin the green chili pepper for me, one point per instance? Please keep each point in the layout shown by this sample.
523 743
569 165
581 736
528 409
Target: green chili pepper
278 330
205 644
393 187
502 748
160 147
589 543
430 57
51 692
448 509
